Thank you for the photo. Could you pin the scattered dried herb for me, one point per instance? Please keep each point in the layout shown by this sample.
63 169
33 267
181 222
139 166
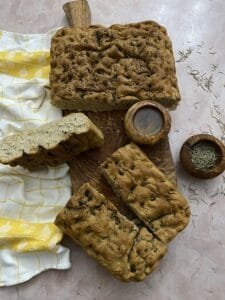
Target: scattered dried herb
202 80
217 114
196 104
184 54
203 155
214 67
208 82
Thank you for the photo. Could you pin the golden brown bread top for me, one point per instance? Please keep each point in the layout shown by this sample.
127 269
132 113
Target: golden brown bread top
98 68
128 252
147 191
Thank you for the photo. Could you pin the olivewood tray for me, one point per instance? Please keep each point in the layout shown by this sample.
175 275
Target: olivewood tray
85 167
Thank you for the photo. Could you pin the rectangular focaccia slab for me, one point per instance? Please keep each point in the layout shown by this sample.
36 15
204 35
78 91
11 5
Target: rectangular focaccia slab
51 144
147 191
93 222
103 69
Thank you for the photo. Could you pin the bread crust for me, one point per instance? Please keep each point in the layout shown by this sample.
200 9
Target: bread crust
127 251
51 144
103 69
147 191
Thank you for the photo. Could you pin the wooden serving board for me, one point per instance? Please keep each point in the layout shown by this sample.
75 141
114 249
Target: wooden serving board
85 167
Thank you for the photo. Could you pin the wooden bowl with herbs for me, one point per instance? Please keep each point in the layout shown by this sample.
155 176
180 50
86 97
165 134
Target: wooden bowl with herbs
203 156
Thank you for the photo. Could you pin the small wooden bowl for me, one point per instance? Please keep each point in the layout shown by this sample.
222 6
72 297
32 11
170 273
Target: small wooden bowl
186 156
147 122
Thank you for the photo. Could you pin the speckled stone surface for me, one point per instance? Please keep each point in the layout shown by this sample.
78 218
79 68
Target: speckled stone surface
194 267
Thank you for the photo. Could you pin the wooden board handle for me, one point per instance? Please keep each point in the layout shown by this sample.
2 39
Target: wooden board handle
78 13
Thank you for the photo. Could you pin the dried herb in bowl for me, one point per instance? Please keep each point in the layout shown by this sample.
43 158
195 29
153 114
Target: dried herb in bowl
203 155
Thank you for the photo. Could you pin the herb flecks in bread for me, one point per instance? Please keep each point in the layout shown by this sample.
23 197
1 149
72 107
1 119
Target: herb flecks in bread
147 191
92 221
102 69
51 144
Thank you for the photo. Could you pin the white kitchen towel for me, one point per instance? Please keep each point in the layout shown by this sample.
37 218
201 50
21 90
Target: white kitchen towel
28 197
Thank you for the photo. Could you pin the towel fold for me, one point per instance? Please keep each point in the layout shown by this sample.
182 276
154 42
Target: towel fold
29 201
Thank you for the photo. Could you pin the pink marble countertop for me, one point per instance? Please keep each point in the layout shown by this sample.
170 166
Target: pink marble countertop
194 267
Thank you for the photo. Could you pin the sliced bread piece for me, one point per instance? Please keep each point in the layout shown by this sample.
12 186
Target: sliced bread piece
93 222
147 191
50 144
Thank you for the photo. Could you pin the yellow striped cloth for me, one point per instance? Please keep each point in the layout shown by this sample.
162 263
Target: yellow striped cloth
29 201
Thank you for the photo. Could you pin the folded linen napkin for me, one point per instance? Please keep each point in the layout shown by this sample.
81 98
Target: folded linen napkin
29 201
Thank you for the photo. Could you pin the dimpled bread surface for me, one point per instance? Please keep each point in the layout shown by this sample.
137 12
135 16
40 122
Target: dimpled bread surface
103 69
127 251
147 191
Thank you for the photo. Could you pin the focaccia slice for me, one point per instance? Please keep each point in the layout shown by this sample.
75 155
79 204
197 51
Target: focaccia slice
103 69
147 191
93 222
51 144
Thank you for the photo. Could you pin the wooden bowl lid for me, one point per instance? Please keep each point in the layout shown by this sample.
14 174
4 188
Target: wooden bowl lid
147 122
186 156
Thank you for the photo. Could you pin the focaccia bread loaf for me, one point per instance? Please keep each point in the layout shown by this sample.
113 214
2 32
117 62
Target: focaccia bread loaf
147 191
128 252
103 69
51 144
